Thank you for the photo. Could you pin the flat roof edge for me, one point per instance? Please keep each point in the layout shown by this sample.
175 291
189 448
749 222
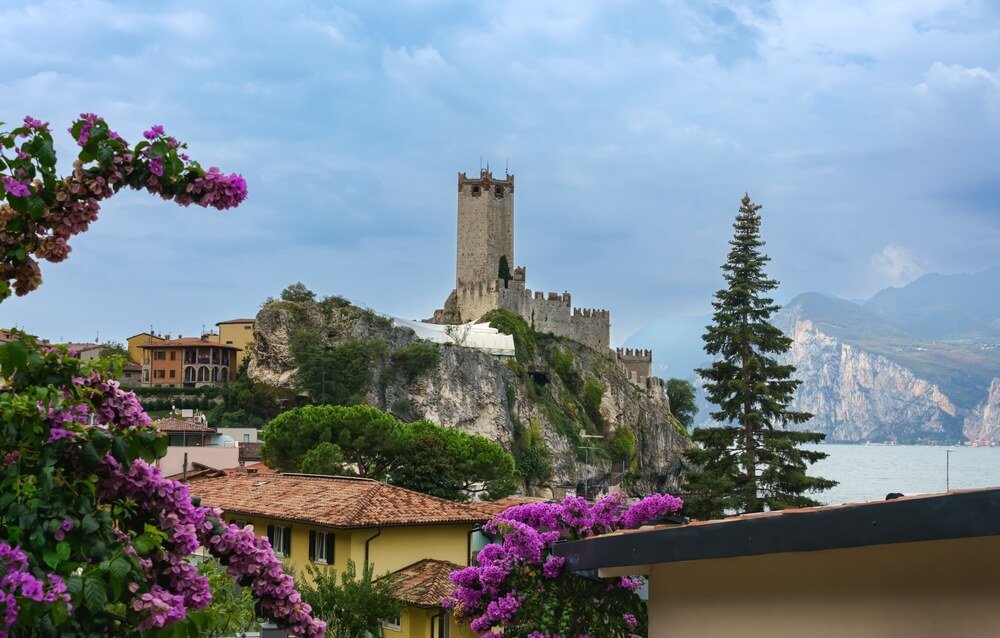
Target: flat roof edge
943 517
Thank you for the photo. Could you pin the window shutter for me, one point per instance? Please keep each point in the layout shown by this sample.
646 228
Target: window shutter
329 547
288 540
312 545
270 534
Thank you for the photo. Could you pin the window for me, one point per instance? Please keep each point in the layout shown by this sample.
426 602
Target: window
392 623
173 355
281 539
321 547
173 373
238 522
247 327
246 438
475 191
498 191
159 374
145 375
160 355
229 342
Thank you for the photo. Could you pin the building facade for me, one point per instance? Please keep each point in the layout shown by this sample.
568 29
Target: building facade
325 521
135 343
238 333
187 362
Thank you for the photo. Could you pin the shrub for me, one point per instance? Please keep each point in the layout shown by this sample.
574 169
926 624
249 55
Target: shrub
416 359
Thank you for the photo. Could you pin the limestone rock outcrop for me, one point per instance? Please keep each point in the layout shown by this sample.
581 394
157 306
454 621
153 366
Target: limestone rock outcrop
477 393
983 422
858 395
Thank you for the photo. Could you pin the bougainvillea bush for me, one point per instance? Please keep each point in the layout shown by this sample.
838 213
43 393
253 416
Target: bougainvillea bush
518 589
94 541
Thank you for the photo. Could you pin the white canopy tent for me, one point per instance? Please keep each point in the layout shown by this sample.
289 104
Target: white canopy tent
479 336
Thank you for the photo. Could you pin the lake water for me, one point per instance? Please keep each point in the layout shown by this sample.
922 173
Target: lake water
869 472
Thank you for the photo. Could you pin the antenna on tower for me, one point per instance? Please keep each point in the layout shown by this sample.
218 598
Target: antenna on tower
97 339
480 163
506 166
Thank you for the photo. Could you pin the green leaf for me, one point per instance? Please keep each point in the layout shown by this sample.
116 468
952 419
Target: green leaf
119 571
88 524
94 596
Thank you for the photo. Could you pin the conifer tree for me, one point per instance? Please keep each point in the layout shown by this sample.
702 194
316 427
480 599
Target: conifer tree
753 460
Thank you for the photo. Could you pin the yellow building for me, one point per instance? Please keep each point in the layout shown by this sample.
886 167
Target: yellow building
239 333
920 567
325 521
135 343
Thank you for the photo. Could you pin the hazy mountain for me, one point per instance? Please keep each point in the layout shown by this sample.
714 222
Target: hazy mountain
916 363
944 307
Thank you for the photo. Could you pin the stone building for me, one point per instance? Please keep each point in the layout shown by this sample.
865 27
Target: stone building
485 276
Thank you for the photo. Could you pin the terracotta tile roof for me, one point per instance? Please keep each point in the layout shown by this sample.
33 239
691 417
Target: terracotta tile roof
171 424
492 508
131 367
236 321
423 583
187 342
332 501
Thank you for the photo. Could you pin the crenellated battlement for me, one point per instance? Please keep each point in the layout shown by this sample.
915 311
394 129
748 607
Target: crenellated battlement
485 183
590 313
634 354
520 274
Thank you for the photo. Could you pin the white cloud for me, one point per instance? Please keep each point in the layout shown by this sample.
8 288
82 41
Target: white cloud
896 264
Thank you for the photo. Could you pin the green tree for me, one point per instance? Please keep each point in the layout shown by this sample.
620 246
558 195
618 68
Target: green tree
114 349
325 458
299 293
353 608
753 461
232 610
332 375
681 394
452 464
368 438
250 403
534 461
503 272
416 359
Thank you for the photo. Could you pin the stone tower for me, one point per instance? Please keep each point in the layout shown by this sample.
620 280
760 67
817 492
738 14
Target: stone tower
485 227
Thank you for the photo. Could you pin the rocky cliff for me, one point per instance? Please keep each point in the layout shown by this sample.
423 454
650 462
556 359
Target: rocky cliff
477 393
857 395
983 421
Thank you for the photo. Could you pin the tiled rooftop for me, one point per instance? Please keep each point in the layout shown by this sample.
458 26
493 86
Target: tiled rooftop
187 342
423 583
333 501
492 508
236 321
171 424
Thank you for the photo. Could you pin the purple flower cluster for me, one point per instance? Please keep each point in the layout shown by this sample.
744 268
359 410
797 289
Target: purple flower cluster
15 187
74 200
215 189
18 585
492 592
112 405
248 558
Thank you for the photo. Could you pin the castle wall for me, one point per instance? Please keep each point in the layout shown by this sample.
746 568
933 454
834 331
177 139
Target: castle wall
636 360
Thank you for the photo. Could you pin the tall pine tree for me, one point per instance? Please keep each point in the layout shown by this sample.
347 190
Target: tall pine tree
753 461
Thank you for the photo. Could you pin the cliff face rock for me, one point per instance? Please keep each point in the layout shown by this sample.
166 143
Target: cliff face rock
857 395
983 422
475 392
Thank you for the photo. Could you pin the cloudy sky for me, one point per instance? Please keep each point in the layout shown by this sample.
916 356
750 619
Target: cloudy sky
869 131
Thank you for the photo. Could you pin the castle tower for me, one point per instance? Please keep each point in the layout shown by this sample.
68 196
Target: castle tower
485 227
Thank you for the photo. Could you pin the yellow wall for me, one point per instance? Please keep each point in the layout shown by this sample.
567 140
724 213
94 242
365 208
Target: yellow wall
134 351
415 622
239 335
398 547
911 590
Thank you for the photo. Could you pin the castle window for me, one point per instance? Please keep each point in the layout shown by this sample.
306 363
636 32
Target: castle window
498 191
476 191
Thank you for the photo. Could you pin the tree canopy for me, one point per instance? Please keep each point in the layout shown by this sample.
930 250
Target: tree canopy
298 292
753 461
422 456
681 395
